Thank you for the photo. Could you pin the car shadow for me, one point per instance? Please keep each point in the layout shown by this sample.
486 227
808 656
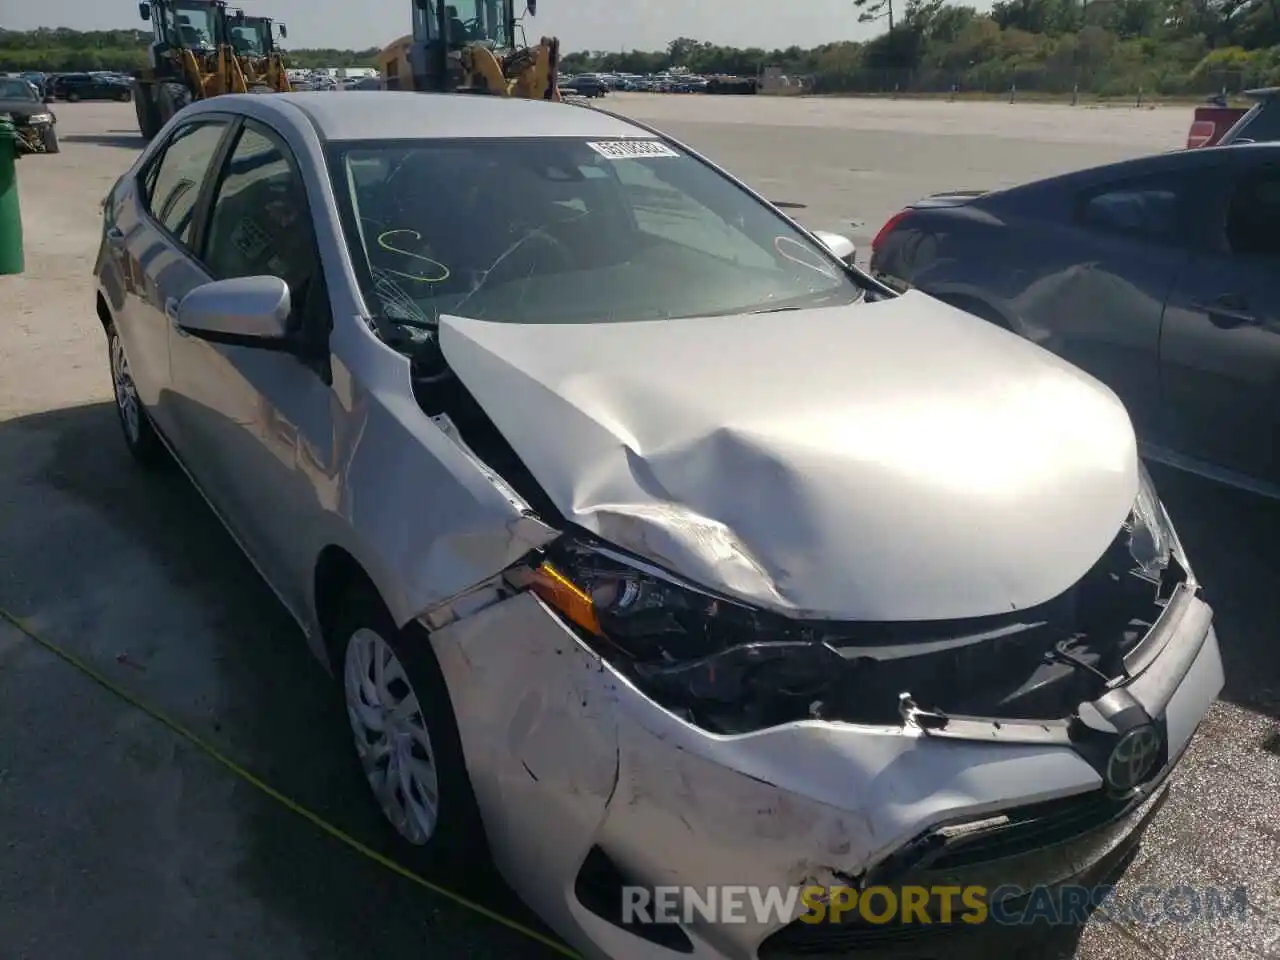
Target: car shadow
113 138
131 571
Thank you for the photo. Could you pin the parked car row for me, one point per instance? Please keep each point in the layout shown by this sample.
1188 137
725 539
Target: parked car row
598 84
625 536
98 85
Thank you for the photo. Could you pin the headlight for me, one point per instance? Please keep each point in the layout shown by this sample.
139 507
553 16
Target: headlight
1152 538
728 665
41 118
649 616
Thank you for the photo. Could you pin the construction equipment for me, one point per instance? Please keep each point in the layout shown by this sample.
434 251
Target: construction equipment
189 59
469 46
253 40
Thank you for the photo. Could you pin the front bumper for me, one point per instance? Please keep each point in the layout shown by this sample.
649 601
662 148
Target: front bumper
585 784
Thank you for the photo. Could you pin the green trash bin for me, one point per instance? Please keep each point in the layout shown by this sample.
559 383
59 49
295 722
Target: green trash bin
11 257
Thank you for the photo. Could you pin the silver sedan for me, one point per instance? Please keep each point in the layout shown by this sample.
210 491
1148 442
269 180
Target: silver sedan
653 543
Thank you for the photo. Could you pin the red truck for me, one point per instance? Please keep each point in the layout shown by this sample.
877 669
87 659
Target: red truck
1217 125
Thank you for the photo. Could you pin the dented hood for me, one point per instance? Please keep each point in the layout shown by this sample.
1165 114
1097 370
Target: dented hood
897 460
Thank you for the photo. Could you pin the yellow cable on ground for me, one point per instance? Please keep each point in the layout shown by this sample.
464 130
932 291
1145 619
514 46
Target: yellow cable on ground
214 753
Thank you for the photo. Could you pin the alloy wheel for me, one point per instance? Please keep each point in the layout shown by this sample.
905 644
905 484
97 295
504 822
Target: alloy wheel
391 736
126 393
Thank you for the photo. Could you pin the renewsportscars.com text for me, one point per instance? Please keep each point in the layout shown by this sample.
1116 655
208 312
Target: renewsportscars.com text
1008 905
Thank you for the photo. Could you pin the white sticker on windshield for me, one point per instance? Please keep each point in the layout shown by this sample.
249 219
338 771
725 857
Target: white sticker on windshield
631 149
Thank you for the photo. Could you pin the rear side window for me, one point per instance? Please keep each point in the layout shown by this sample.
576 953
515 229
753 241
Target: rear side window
1149 209
1254 213
173 184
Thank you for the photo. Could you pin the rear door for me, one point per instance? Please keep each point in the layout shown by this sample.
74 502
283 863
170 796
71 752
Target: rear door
1220 354
154 235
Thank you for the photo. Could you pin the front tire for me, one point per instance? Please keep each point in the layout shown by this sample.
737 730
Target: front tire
170 98
50 140
145 108
73 97
405 734
139 435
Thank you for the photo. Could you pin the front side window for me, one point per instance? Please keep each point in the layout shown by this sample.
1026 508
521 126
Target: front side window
476 21
197 26
567 231
259 223
246 40
174 185
1148 209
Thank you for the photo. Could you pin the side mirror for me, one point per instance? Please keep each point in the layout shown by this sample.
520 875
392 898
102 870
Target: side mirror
244 311
284 32
841 246
532 7
144 10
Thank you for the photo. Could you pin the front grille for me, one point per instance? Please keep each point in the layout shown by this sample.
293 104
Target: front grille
1035 827
1095 830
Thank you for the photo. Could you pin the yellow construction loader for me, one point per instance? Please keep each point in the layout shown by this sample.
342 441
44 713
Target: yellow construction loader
261 62
470 46
192 57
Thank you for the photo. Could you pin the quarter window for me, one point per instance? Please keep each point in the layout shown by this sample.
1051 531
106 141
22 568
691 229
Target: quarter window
173 187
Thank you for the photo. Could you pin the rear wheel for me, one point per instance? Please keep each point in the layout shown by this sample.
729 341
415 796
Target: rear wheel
125 96
139 435
72 97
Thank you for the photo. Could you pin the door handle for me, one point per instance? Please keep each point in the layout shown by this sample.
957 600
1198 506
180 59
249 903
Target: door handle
1228 310
115 236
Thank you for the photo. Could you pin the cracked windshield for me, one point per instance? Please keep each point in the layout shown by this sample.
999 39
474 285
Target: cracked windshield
584 232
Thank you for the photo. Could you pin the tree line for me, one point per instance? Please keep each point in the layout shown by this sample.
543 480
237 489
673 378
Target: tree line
62 50
1098 47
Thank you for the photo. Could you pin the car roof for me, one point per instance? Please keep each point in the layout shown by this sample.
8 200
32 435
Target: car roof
399 114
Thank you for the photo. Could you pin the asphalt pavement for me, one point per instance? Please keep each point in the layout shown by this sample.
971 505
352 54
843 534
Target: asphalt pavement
119 838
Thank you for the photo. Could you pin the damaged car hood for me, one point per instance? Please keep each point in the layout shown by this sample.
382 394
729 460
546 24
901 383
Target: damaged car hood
895 460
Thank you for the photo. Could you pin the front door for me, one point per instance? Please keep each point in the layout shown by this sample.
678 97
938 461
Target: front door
257 423
1220 348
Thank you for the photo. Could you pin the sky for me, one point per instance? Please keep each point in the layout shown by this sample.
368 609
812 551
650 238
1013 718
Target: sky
580 24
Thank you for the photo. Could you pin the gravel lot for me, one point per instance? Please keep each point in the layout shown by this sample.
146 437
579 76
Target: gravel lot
120 839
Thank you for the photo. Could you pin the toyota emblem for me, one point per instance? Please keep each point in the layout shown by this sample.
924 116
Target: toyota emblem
1133 758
